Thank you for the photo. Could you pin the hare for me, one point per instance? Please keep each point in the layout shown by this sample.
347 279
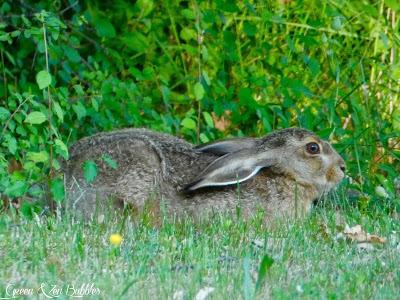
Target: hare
281 173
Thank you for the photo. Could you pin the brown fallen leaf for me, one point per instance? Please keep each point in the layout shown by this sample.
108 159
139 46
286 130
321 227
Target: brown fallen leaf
357 234
221 123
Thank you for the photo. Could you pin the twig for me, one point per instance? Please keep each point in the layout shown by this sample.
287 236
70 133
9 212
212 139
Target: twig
175 33
13 114
34 59
69 7
4 73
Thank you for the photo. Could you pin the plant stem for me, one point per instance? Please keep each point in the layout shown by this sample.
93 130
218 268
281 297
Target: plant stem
49 100
199 42
4 74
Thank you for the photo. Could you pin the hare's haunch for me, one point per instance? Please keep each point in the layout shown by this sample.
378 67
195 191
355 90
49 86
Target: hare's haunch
281 173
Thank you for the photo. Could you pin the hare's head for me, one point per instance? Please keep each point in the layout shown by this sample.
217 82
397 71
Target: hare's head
307 158
294 152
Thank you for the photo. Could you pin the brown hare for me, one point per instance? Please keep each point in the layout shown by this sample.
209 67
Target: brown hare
281 173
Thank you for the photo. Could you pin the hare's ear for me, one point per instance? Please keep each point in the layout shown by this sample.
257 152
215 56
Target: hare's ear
233 168
227 146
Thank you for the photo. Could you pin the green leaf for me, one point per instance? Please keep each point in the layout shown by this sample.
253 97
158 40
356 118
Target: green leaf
17 189
4 114
58 110
314 67
72 54
136 41
80 110
61 148
35 117
15 33
188 14
109 161
43 79
249 28
228 6
104 28
208 119
396 120
145 7
5 37
204 138
136 73
395 71
26 210
57 189
188 123
206 78
166 93
188 34
148 73
198 91
393 4
265 265
95 104
245 96
12 145
79 90
89 170
38 157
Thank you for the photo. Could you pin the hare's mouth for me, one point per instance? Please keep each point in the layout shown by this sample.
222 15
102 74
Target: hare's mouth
329 186
334 176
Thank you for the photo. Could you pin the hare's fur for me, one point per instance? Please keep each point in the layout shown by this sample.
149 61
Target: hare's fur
156 168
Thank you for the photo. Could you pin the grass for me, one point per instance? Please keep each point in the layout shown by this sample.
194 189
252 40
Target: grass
158 261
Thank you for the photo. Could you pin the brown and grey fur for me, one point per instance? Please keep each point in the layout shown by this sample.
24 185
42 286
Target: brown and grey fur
155 167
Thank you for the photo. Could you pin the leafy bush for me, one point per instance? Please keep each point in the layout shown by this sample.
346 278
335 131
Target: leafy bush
201 70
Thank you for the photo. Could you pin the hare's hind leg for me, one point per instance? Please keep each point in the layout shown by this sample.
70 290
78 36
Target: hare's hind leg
130 180
138 182
88 200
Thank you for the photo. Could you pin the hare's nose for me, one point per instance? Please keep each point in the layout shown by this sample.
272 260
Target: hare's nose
341 164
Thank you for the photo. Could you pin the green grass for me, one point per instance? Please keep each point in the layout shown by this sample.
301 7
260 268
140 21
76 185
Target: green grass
156 261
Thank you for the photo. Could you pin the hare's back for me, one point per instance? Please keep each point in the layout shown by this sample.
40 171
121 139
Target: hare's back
130 158
119 165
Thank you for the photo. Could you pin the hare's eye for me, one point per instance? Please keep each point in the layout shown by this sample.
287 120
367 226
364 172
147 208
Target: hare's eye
312 148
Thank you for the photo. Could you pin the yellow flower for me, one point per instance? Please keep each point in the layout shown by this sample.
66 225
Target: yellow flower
116 239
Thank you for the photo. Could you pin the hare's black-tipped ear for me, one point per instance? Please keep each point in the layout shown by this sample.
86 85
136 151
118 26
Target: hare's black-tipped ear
227 146
233 168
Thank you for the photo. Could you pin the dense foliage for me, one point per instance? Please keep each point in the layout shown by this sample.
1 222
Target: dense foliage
202 70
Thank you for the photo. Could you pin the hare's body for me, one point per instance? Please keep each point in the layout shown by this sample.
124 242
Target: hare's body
154 169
